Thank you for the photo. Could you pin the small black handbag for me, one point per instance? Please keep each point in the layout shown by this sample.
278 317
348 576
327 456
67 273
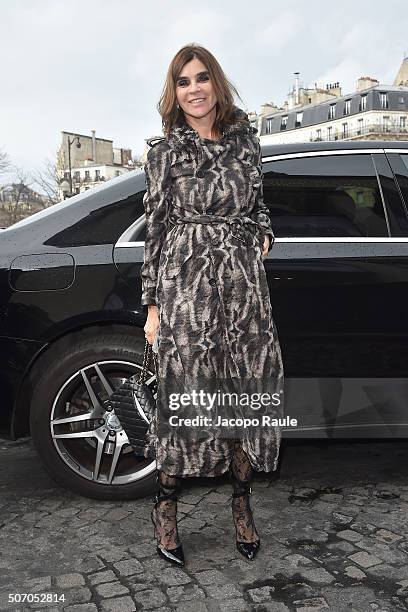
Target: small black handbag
134 404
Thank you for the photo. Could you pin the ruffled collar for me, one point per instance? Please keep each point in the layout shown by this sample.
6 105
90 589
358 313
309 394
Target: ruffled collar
183 136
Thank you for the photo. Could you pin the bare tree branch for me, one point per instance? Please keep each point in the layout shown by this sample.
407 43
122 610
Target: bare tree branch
49 178
20 187
138 161
5 163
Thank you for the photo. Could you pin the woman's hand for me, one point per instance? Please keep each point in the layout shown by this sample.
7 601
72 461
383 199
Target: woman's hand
265 245
152 323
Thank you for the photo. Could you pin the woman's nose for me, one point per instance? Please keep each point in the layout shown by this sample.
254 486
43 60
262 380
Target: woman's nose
194 88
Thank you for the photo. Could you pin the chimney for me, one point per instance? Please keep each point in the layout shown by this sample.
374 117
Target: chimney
366 82
296 87
93 146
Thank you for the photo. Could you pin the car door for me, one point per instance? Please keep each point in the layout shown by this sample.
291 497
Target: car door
334 274
128 255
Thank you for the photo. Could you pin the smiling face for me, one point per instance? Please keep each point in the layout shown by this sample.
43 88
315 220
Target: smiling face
194 83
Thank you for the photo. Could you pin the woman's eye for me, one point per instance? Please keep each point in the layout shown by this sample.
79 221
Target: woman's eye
184 82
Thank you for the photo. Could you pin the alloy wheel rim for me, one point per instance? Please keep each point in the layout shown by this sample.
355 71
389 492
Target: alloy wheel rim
89 438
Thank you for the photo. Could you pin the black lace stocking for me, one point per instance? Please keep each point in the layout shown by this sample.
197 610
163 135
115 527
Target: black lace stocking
241 470
165 511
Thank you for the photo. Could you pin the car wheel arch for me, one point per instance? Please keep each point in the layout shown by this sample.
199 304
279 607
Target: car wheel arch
20 416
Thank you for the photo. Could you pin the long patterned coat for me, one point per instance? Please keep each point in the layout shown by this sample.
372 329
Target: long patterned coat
203 268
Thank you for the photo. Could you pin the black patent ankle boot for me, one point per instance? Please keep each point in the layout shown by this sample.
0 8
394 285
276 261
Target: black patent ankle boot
243 488
165 519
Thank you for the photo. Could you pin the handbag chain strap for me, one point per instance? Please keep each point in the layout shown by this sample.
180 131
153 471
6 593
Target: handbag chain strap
146 361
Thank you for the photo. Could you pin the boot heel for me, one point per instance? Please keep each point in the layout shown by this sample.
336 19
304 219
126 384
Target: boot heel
243 488
173 555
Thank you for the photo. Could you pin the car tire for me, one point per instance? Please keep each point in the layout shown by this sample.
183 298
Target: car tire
120 347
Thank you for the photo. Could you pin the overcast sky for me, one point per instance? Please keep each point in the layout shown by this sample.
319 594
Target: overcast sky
78 65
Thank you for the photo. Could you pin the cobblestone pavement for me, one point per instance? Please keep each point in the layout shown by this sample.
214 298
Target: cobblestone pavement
333 528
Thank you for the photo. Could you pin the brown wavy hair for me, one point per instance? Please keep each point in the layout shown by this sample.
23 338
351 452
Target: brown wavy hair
223 88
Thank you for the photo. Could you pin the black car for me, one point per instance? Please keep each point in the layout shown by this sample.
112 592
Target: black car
71 323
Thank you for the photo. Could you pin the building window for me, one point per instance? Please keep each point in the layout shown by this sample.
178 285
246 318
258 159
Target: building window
363 103
299 117
332 111
347 107
77 176
383 99
403 123
66 176
318 134
345 130
329 132
360 126
269 126
386 123
284 122
117 172
87 175
97 175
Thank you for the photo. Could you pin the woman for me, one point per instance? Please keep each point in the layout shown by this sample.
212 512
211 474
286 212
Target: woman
205 290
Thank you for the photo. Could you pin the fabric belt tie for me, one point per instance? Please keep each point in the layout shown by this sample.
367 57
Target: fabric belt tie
236 223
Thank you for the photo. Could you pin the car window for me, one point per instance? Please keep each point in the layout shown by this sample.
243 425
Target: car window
142 234
396 211
101 226
139 234
324 196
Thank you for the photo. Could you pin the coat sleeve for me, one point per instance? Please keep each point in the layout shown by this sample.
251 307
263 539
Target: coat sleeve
156 205
260 212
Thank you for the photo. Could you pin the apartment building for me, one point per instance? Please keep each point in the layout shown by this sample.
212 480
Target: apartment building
89 161
18 201
374 111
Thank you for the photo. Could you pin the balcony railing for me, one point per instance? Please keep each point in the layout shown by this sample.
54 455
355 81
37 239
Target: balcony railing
372 128
87 179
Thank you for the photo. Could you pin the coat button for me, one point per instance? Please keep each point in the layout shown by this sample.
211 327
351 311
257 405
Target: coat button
212 281
200 174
